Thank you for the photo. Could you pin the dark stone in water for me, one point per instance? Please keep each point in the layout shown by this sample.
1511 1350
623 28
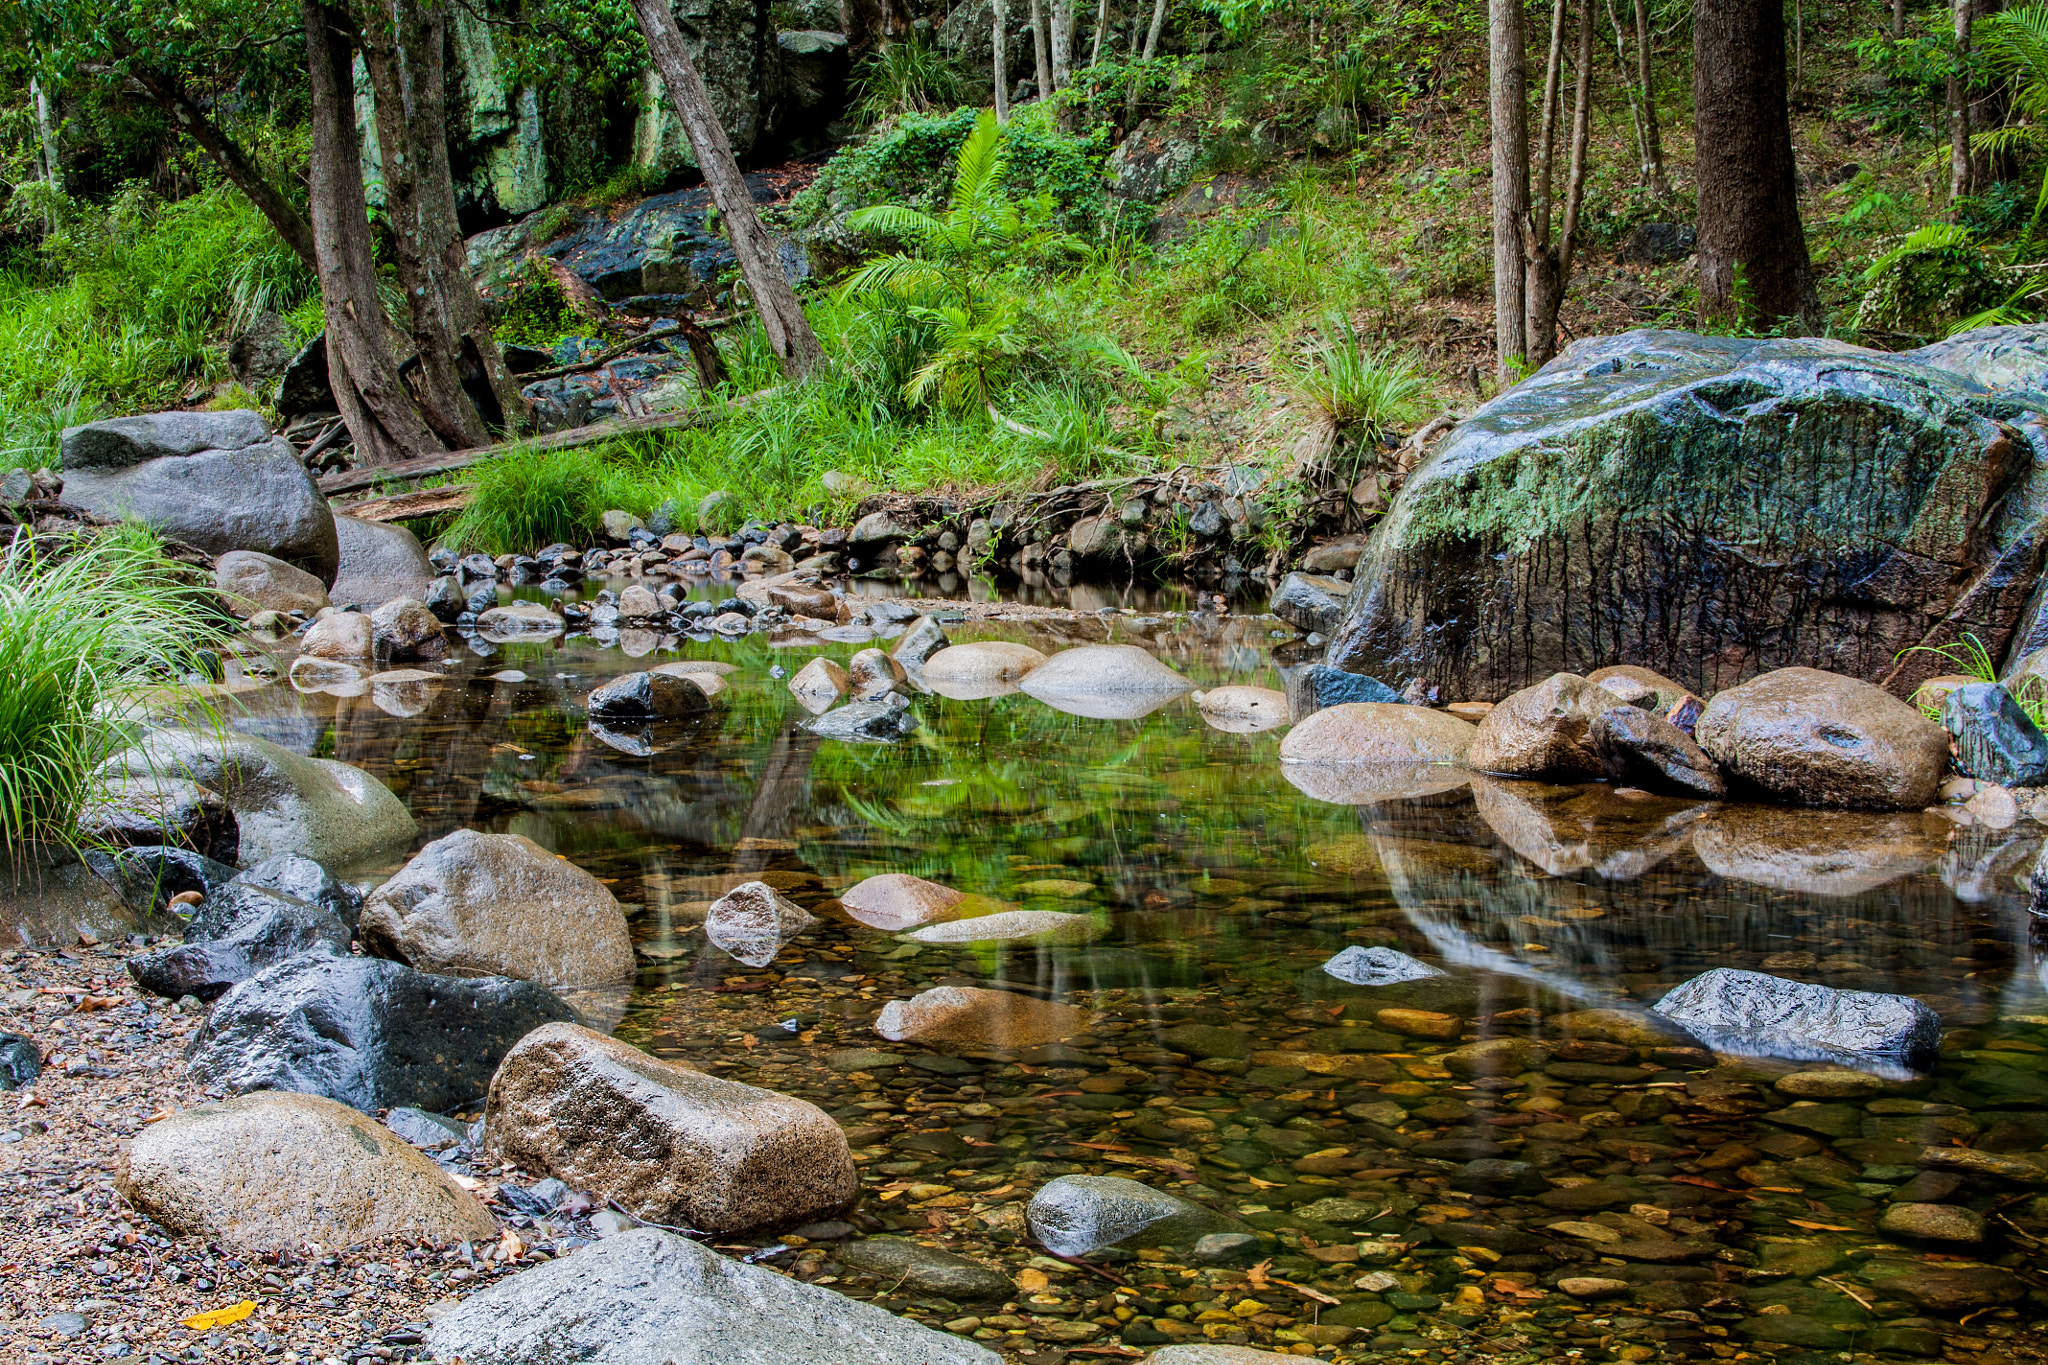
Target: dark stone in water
147 877
1639 749
1500 1178
367 1032
1312 687
1756 503
871 722
21 1061
926 1270
1755 1014
648 696
1994 739
1310 602
445 598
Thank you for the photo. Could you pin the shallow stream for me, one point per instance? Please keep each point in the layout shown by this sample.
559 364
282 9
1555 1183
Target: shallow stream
1737 1213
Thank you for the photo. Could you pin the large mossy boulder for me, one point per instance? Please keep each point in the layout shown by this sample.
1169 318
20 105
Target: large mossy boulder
1711 508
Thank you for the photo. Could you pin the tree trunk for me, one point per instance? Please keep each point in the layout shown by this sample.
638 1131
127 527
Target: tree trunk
1508 88
1041 50
1550 262
1898 19
863 22
170 95
380 414
1749 228
1546 140
1101 29
48 160
999 52
1634 95
1062 43
1660 183
1151 45
789 332
1988 109
1959 159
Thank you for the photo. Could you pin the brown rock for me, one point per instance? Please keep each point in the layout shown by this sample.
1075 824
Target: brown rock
1421 1023
1637 748
344 635
970 1016
1639 687
805 599
403 628
818 684
1543 730
752 922
250 582
269 1171
896 901
668 1142
980 669
1821 739
872 674
1378 732
1242 710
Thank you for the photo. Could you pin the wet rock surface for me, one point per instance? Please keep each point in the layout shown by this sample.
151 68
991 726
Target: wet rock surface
1758 1014
1819 739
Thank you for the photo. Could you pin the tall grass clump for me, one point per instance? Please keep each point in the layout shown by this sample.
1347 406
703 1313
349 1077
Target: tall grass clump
85 626
525 501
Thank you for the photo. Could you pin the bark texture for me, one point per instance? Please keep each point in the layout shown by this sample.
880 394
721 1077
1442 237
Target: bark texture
1508 85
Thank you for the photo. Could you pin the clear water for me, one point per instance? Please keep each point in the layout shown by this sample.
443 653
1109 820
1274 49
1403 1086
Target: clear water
1225 888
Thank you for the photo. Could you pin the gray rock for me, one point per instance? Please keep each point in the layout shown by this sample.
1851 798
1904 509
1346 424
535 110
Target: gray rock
1228 1248
430 1131
877 529
517 621
923 639
649 696
647 1297
1150 164
293 876
1933 1222
369 1033
268 929
1754 1014
926 1270
871 722
1077 1214
283 803
250 583
1311 687
1104 682
378 562
21 1061
1638 748
1756 503
1310 602
217 481
1995 741
1659 243
1378 966
405 629
127 812
305 385
444 597
2013 357
752 922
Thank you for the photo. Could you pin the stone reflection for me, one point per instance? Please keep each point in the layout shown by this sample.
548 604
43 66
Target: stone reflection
1821 852
1586 827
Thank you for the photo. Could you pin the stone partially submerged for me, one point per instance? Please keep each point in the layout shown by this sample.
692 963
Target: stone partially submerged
1103 682
1755 1014
897 901
1378 966
972 1016
1077 1214
752 921
1819 739
665 1141
648 1297
1707 507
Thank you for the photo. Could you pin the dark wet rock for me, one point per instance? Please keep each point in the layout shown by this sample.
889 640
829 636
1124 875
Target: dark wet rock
1206 1040
752 922
867 722
1754 1014
290 875
21 1061
926 1270
1077 1214
1659 243
267 929
1227 1248
648 696
664 1140
305 386
144 813
1311 603
2011 357
1794 1329
215 480
920 641
1378 967
370 1033
1311 687
423 1129
1953 1291
1995 741
1638 748
1821 739
1757 503
645 1296
1933 1223
1502 1179
1542 731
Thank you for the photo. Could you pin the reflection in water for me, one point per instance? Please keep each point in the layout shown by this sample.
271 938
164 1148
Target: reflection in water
1214 884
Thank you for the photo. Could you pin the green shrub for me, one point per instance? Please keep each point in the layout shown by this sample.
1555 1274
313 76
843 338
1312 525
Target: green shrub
1935 277
537 311
524 501
85 626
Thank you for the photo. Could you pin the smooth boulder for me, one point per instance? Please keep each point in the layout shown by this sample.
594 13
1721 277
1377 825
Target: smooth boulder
818 684
897 901
1104 682
378 561
516 621
752 921
1638 748
1378 733
648 1297
368 1032
1820 739
1542 731
926 1270
649 696
475 904
1706 507
1755 1014
664 1140
1243 710
268 1172
218 481
980 669
1019 927
1076 1214
250 582
973 1016
342 636
282 802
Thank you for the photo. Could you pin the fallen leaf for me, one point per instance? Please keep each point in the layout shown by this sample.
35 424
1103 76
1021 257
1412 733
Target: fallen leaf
750 1042
1818 1227
220 1317
1031 1281
1520 1291
1318 1295
1264 1184
510 1248
87 1003
1256 1276
466 1181
163 1111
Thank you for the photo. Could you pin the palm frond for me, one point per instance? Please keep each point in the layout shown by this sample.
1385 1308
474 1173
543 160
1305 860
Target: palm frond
897 220
889 274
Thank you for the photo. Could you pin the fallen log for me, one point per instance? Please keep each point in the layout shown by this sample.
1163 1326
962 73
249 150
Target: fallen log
406 506
421 466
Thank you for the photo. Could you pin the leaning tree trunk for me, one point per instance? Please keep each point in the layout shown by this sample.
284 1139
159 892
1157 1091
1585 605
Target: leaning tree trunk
789 332
1550 261
1508 87
381 416
1101 29
1041 50
1062 43
1749 227
1151 46
1659 182
177 104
